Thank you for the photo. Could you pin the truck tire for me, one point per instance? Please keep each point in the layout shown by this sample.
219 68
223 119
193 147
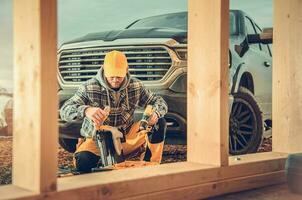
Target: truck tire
245 124
68 144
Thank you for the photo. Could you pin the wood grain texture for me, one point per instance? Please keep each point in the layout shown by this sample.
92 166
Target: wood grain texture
207 82
35 95
287 73
168 179
35 114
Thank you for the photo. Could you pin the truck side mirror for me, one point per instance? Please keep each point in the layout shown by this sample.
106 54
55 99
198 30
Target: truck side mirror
265 37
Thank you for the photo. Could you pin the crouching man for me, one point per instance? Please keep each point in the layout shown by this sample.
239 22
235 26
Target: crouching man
114 87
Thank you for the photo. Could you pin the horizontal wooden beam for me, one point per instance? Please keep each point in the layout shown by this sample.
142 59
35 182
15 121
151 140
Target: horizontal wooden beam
216 188
169 177
190 192
15 192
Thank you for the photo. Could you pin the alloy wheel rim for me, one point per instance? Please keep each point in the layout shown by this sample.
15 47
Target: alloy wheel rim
242 126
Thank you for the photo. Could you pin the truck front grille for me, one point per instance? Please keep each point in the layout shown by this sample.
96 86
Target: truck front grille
145 63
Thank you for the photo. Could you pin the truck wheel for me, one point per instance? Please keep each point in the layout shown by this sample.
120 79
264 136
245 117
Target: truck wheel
68 144
246 124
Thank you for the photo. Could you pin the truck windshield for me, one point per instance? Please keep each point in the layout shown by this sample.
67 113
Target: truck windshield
176 20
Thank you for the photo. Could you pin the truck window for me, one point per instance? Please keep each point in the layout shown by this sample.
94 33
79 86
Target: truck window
232 24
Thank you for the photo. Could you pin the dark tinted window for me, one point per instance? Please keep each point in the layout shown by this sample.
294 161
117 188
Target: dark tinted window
249 26
232 24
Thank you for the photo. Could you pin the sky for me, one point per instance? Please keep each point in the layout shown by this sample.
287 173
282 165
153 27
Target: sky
79 17
6 49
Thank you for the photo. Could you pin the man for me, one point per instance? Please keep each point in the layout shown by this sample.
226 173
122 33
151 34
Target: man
114 87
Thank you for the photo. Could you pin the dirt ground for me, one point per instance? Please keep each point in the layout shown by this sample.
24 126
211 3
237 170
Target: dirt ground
172 153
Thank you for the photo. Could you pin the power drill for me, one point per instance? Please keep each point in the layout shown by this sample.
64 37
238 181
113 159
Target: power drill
145 118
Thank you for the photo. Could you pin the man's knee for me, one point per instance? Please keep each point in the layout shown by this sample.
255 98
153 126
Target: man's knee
85 161
159 131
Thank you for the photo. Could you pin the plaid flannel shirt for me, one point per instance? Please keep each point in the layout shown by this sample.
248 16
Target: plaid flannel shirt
94 94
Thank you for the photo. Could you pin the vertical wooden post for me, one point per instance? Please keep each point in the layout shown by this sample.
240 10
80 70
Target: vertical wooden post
35 95
287 73
208 36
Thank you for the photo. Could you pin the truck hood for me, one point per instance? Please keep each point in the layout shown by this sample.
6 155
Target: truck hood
176 34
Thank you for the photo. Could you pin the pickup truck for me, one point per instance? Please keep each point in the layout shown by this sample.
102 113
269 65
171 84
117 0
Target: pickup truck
156 49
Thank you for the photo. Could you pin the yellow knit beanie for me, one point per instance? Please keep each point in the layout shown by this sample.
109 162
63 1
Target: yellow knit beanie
115 64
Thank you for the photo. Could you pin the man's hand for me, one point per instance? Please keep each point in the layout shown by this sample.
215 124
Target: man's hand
153 119
96 114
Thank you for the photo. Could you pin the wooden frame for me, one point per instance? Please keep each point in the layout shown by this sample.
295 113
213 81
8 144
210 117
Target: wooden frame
208 171
286 76
35 98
